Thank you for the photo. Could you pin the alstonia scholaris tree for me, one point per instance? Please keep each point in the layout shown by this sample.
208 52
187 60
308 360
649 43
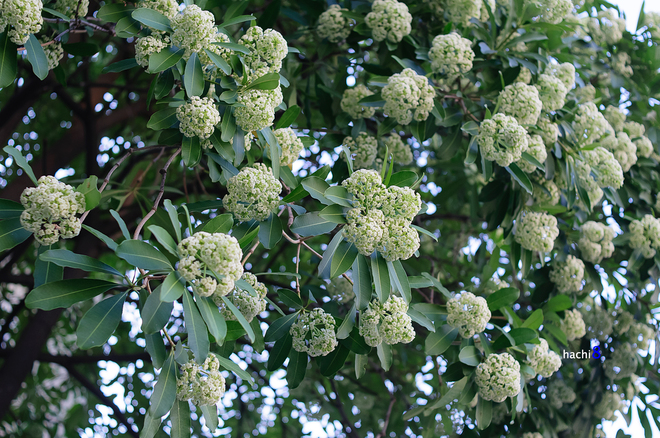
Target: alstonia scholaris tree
364 219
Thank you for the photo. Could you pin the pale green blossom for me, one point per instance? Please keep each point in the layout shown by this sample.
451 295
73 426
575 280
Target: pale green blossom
386 322
201 384
147 46
544 361
502 139
314 333
568 275
468 313
645 235
451 55
24 18
573 325
408 96
596 242
290 143
535 148
389 19
552 92
522 102
498 377
256 108
253 193
248 304
333 25
198 117
363 150
350 102
536 231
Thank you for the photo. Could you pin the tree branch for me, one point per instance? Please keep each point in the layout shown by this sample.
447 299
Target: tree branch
348 425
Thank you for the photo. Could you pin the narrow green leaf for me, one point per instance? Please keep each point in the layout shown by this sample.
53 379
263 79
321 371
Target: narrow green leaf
198 335
361 362
102 237
151 426
219 224
119 66
232 366
152 18
373 100
46 272
518 335
502 298
346 327
68 259
174 218
12 233
164 238
289 116
324 266
279 353
193 79
212 317
421 319
10 209
162 119
191 151
143 255
280 327
114 12
173 287
156 312
534 320
438 342
180 419
295 372
558 303
64 293
334 361
164 394
557 332
240 318
385 355
37 57
361 282
470 356
21 162
275 150
381 277
451 395
399 279
405 178
127 27
520 177
338 195
270 231
164 59
342 259
269 81
484 413
334 213
210 414
311 224
237 20
8 61
235 47
317 187
219 61
436 283
100 322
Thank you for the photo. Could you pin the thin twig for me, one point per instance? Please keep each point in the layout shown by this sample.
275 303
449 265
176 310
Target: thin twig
348 425
387 417
303 243
298 269
250 252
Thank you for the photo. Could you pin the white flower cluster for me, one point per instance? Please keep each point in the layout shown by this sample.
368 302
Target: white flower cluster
608 168
622 363
408 95
559 393
256 109
522 102
211 262
641 334
609 404
267 50
607 27
350 102
533 434
598 321
193 30
536 231
340 290
634 129
589 124
201 384
253 193
644 147
621 64
147 46
525 76
69 7
652 22
290 143
198 117
51 209
382 216
565 72
363 149
389 19
596 242
645 235
333 25
535 148
461 11
568 275
169 8
451 55
573 325
386 322
399 149
314 333
498 377
549 131
622 148
468 313
544 361
615 117
552 92
586 93
623 322
248 304
554 11
502 139
493 285
54 52
549 192
24 16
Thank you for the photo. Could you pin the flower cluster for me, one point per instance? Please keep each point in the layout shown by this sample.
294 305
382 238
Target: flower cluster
608 405
568 275
645 235
623 149
400 150
51 209
532 434
267 50
552 92
589 124
314 333
622 363
381 216
586 93
468 313
24 16
536 231
621 64
253 193
641 334
548 194
363 149
54 52
606 28
70 7
350 102
608 168
198 117
147 46
193 30
169 8
493 285
389 19
461 11
623 322
386 322
549 131
615 117
256 109
522 102
290 143
565 72
644 147
201 384
544 361
408 95
596 242
554 11
451 55
559 393
598 321
634 129
211 262
535 148
525 76
502 139
573 325
340 290
248 304
333 25
498 377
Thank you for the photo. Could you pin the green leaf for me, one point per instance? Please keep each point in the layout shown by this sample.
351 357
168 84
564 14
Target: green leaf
68 259
219 61
520 177
127 27
46 272
333 213
164 59
143 255
295 371
558 303
270 231
269 81
334 361
503 297
114 12
471 128
100 322
361 362
484 413
438 342
174 218
280 327
274 150
162 119
425 232
210 414
151 426
338 195
311 224
381 277
164 238
212 317
557 332
230 365
374 100
21 162
219 224
89 188
12 233
152 18
534 320
290 298
240 318
289 116
317 187
519 335
362 282
472 151
119 66
279 353
121 223
64 293
399 279
164 394
102 237
385 355
236 20
8 61
421 319
198 335
436 283
10 209
342 259
37 57
173 287
191 151
470 356
180 419
56 14
453 393
155 313
530 159
405 178
324 266
193 78
235 47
